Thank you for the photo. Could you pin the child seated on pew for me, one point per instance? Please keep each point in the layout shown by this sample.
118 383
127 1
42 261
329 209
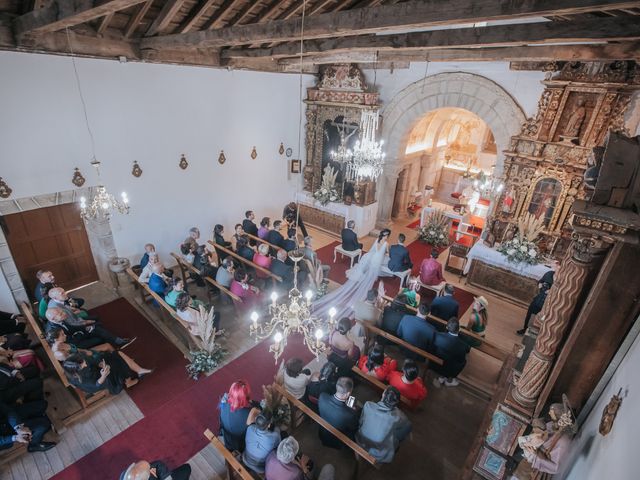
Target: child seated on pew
377 363
408 383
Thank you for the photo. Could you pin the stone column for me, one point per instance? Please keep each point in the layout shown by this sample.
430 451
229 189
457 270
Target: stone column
386 192
584 254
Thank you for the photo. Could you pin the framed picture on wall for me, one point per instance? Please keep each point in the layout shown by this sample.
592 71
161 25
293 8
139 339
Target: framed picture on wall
295 166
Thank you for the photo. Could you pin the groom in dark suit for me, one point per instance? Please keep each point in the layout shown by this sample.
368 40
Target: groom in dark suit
350 238
399 259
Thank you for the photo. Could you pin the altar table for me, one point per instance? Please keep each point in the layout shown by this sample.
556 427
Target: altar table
333 216
489 269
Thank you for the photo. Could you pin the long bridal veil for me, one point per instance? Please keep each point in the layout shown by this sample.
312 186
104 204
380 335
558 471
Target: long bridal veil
360 280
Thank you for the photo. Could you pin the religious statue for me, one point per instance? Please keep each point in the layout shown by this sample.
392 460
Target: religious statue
507 202
609 414
592 172
463 137
571 130
545 447
469 198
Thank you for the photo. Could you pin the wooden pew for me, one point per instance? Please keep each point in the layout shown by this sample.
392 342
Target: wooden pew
398 341
246 262
485 346
260 240
184 265
182 334
378 384
235 469
360 453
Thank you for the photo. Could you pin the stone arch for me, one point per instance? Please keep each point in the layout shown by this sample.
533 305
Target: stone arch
472 92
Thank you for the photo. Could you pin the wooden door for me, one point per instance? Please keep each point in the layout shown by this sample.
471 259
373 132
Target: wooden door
52 238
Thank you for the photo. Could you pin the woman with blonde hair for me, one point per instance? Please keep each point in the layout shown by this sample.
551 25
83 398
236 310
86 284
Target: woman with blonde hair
478 319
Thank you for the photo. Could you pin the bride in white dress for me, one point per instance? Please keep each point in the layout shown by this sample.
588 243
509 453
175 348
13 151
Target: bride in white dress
360 280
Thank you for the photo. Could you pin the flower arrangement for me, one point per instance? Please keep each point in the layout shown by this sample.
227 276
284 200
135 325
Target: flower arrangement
327 191
521 248
211 354
435 231
278 406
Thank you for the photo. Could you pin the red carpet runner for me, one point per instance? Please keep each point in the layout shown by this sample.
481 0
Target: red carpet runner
176 410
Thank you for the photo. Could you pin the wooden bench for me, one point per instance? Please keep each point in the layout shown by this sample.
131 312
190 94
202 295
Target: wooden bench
184 266
359 452
183 338
485 346
260 240
251 264
235 469
373 380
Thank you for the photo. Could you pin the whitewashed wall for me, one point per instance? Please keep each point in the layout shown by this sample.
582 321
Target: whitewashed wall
152 114
614 456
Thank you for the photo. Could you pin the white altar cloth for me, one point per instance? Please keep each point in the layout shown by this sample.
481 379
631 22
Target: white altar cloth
447 211
492 257
365 217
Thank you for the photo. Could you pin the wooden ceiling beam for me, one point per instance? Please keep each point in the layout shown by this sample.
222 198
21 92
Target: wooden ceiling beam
546 53
61 14
195 15
219 14
136 18
596 31
242 14
165 16
104 23
320 6
413 14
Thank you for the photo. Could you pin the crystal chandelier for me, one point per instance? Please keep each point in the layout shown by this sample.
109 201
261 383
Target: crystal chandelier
290 317
367 160
103 203
488 185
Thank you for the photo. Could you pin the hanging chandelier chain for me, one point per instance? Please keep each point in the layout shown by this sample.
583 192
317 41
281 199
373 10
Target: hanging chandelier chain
300 98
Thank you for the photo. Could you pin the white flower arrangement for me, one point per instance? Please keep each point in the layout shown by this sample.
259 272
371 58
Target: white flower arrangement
435 230
327 191
522 249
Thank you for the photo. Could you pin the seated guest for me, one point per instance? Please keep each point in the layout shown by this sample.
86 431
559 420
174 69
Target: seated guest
263 231
399 259
218 239
235 407
157 470
312 256
283 270
295 377
188 312
408 383
324 381
149 248
43 276
383 426
14 341
58 298
11 323
445 306
260 440
84 336
187 253
44 303
109 372
350 238
367 311
393 313
262 258
411 292
158 282
148 269
238 233
243 249
478 319
23 384
344 352
249 227
291 243
377 363
224 275
283 464
192 240
453 351
177 287
431 270
21 358
274 236
416 330
334 409
241 287
204 263
25 423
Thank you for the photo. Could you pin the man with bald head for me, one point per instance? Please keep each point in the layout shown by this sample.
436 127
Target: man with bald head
144 470
58 298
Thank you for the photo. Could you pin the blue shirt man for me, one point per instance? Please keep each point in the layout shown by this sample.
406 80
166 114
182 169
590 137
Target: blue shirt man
415 330
446 306
260 441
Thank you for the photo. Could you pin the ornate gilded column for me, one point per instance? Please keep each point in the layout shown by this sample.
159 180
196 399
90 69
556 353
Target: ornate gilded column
584 254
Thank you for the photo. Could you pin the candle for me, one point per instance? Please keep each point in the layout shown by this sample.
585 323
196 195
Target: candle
332 313
254 317
319 335
274 297
308 295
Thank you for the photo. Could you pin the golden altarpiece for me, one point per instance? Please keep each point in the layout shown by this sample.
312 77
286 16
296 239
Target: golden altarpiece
545 163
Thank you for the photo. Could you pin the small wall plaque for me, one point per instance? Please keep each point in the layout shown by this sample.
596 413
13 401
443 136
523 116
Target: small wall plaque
289 152
5 191
281 149
136 171
222 158
183 162
78 180
295 166
254 153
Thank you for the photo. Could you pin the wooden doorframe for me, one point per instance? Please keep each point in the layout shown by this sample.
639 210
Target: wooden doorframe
99 233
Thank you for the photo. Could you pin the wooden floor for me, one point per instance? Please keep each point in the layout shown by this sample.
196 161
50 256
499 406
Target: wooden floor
443 430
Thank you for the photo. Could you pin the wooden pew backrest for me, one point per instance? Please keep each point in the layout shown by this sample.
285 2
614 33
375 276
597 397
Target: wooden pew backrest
234 467
184 264
245 261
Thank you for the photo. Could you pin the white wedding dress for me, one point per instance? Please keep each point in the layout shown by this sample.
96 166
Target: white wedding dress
360 280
